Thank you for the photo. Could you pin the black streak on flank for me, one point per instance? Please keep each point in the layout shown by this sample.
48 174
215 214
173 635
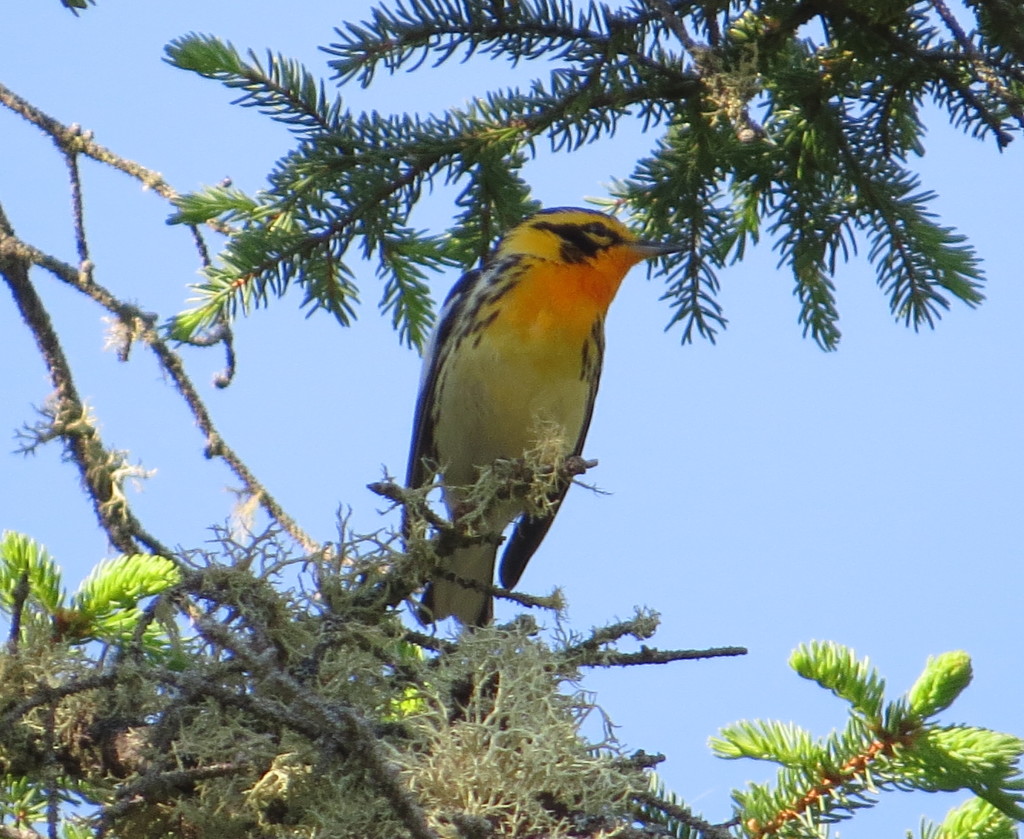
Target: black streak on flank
592 353
481 325
581 242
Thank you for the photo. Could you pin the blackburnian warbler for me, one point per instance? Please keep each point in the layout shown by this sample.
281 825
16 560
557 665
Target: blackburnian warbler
517 352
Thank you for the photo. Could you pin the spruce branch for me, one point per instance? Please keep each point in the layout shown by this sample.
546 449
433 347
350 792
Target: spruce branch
677 196
974 818
354 180
399 40
294 232
884 745
281 88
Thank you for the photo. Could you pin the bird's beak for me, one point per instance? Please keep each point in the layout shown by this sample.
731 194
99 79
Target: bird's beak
649 250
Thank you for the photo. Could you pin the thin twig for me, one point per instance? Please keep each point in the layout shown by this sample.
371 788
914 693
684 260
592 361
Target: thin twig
531 601
413 501
640 627
677 27
611 658
591 652
152 785
683 814
84 445
200 243
77 208
71 139
227 338
144 326
44 694
215 445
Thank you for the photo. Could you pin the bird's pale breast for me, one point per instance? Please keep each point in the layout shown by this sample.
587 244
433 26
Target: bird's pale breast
503 388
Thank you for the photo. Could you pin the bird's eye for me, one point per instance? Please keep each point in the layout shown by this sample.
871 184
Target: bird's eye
599 233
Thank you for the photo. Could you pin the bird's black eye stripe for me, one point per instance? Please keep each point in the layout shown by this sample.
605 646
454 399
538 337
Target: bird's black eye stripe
599 229
581 241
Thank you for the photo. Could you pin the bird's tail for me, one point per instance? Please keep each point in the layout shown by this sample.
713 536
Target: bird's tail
446 597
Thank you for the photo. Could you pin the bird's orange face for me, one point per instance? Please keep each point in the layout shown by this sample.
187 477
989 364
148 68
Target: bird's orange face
578 260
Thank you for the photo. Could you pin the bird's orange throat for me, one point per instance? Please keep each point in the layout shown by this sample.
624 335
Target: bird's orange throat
565 297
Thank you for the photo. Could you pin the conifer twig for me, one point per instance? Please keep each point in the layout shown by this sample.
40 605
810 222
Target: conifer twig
71 139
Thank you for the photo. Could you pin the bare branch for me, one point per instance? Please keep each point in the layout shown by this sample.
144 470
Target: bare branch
152 785
674 23
8 832
81 438
73 139
592 651
143 325
51 771
654 656
44 694
77 210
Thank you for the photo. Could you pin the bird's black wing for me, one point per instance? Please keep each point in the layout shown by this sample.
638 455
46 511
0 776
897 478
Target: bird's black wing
421 450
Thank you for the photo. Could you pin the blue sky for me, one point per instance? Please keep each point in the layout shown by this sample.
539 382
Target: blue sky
761 492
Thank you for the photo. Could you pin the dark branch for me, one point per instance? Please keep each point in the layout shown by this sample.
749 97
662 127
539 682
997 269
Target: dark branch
683 814
81 438
142 325
653 656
